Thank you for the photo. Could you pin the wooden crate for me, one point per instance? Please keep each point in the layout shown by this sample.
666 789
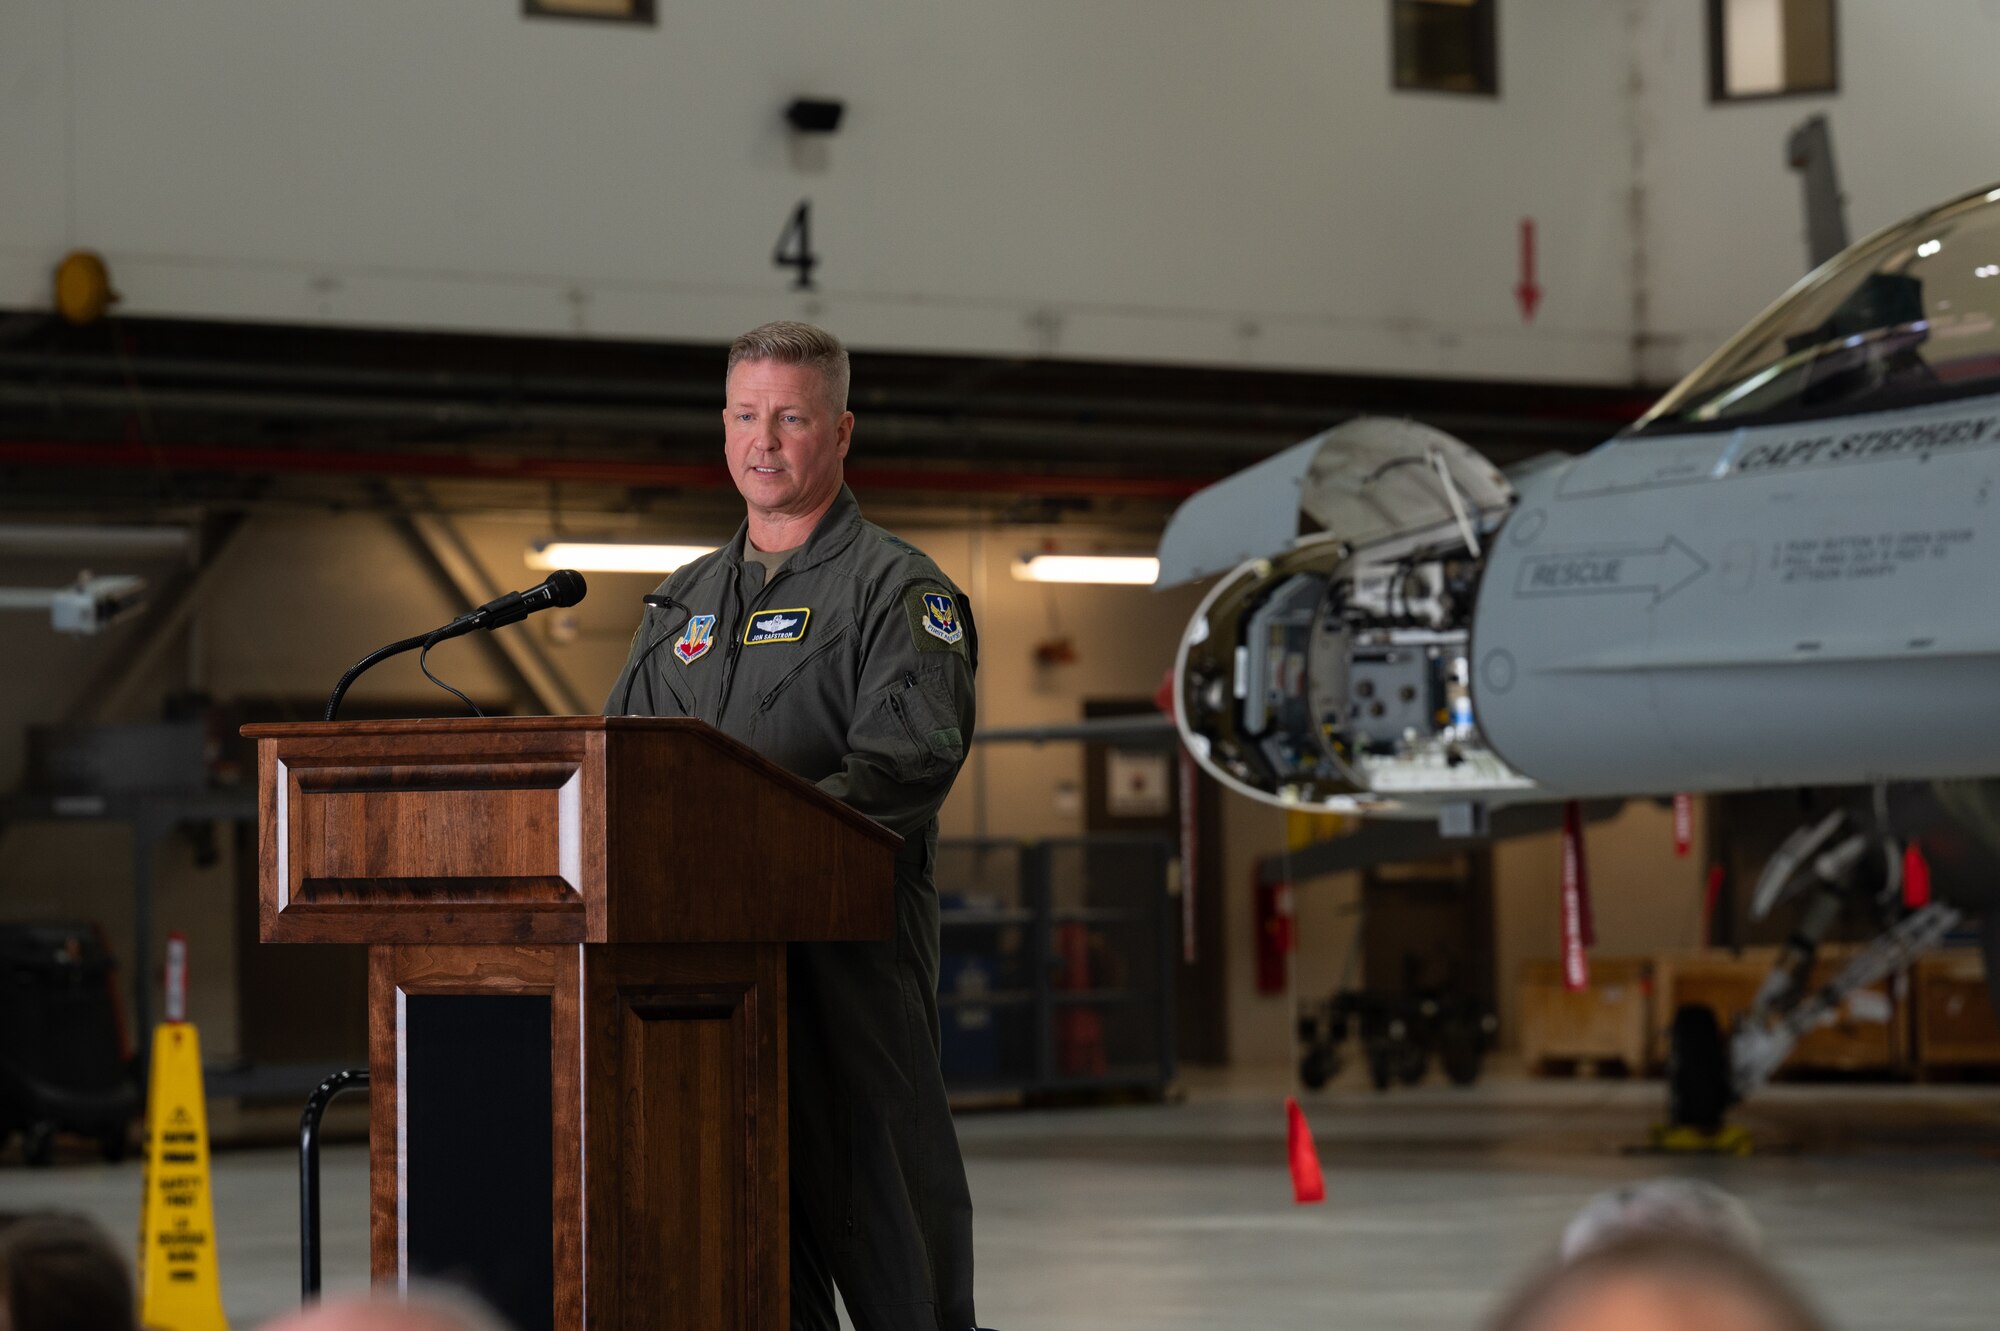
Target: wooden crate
1955 1025
1607 1022
1869 1032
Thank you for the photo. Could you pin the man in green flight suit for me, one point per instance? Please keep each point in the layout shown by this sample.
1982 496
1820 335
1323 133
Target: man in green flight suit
846 656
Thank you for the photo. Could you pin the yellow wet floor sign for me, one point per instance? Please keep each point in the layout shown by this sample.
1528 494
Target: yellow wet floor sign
179 1286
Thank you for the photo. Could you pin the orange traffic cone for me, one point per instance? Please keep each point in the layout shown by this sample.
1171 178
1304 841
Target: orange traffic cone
1308 1185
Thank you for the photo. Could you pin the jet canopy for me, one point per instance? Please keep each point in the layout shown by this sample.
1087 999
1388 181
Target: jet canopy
1908 315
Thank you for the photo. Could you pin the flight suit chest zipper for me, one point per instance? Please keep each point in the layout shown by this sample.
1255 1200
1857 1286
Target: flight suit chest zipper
736 638
728 676
771 694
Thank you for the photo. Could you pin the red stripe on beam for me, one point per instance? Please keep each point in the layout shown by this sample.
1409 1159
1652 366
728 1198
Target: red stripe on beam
211 458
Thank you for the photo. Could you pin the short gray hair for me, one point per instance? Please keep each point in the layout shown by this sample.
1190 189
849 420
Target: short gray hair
790 343
427 1307
1678 1265
1661 1206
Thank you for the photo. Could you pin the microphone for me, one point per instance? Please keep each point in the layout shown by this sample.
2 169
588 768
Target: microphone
564 587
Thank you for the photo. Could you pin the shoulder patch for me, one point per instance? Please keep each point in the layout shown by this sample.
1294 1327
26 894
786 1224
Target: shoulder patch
936 623
695 639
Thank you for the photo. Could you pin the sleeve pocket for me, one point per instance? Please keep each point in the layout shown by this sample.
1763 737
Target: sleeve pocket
924 745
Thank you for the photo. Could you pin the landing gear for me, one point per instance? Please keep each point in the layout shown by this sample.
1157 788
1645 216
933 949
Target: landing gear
1831 868
1700 1088
1698 1084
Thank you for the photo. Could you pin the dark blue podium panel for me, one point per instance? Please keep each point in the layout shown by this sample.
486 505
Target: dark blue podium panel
479 1123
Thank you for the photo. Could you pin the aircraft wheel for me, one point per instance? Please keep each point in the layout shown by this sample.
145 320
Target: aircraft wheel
1462 1051
1319 1066
1412 1062
114 1143
1698 1089
1381 1067
38 1144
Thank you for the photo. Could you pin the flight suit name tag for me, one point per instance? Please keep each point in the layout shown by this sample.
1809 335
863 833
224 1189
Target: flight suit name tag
776 626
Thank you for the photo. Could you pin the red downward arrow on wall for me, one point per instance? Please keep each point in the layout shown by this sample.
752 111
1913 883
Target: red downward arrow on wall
1528 292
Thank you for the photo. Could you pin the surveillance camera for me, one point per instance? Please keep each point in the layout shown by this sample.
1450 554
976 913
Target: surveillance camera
814 115
96 603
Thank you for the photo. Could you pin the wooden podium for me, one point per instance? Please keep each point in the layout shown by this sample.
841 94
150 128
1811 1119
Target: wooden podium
576 1011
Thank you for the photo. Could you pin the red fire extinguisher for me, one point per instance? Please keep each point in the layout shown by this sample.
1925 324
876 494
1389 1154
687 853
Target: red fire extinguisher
1275 935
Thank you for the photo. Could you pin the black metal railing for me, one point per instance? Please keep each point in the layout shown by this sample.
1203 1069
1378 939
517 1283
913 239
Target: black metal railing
316 1103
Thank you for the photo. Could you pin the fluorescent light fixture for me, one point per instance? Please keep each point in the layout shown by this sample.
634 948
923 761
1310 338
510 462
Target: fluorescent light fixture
56 540
1124 570
612 556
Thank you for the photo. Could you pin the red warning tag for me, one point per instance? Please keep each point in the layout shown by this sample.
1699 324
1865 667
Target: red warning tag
1710 896
1916 877
1577 933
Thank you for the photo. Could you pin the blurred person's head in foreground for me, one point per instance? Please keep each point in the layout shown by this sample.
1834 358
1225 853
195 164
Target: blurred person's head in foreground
1660 1281
431 1309
1661 1206
60 1273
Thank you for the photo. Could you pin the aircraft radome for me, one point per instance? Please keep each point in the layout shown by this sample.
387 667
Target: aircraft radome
1786 574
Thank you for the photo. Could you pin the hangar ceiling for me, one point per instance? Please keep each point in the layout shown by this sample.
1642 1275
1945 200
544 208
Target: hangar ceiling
141 414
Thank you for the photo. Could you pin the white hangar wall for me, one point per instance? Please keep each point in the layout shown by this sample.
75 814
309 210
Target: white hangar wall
1146 180
1722 229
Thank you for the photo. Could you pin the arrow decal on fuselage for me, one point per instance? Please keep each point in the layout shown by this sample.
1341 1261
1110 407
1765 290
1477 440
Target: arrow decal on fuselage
1660 570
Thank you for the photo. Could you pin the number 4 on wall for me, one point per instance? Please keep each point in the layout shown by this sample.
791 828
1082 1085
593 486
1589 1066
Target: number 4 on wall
795 246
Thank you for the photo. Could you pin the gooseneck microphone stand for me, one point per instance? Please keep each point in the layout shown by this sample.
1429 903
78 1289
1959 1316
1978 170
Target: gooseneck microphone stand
562 588
375 658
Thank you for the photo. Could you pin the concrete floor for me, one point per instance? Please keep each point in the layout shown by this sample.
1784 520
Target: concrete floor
1884 1201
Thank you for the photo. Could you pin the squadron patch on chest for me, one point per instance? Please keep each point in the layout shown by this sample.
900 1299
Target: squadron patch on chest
776 626
695 639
